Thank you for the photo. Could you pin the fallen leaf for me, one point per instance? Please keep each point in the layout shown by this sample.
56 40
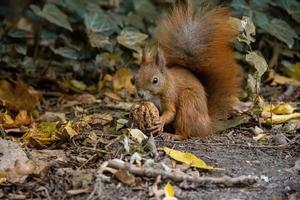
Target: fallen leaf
122 80
69 130
42 135
14 163
231 123
278 119
22 119
258 130
295 71
137 135
46 133
77 86
44 159
260 137
169 190
15 95
113 96
280 113
98 119
282 80
125 177
188 158
121 123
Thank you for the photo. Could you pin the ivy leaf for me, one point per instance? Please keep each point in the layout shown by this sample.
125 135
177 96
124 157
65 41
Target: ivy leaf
291 6
258 62
19 33
276 27
53 14
100 22
131 38
241 7
66 52
146 9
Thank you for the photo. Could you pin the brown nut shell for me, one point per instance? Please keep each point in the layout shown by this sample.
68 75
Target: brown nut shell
143 115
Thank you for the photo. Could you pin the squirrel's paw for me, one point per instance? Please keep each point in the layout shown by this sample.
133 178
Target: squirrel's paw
171 137
157 128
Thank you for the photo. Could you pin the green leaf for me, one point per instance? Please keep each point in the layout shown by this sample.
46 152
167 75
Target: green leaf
66 52
240 6
131 38
53 14
97 39
146 9
21 49
276 27
291 6
100 22
19 33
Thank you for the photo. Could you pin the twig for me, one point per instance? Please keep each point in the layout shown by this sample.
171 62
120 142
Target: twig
175 176
152 146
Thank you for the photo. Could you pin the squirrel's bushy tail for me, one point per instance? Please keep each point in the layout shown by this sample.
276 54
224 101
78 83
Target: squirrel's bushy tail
202 44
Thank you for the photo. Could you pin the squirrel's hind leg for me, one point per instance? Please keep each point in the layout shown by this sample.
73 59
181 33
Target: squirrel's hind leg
192 118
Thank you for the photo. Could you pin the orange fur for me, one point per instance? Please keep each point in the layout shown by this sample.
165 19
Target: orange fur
199 78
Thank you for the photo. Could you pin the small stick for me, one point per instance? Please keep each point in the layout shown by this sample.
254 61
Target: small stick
175 176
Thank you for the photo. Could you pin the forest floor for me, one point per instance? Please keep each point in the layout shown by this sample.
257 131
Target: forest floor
73 166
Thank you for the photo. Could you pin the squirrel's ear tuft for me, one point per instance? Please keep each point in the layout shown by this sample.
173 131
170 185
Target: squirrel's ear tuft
147 56
160 60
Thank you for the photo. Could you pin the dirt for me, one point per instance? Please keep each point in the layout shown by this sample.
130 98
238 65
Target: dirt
76 177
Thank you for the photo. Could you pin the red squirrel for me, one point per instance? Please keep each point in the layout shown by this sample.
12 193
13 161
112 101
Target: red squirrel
193 74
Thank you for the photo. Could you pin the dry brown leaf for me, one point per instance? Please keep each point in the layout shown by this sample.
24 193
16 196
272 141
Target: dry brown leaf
22 119
98 119
69 130
113 96
122 80
125 177
47 133
16 95
14 163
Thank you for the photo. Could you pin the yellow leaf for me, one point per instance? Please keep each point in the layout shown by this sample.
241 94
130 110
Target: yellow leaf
260 137
280 113
282 80
278 119
21 119
77 86
188 158
169 190
7 119
69 130
279 109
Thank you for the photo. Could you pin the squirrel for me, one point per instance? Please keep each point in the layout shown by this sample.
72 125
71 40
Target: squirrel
192 75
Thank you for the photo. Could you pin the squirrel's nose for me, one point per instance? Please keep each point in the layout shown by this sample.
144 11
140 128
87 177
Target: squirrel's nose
141 94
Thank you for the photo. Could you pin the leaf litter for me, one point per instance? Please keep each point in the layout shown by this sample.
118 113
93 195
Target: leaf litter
73 143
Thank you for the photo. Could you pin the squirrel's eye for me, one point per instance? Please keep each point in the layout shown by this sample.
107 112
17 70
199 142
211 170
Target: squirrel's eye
155 80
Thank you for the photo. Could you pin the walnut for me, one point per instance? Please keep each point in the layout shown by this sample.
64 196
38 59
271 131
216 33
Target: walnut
143 115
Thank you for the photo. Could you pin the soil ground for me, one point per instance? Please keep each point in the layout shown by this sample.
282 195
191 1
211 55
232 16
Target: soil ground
233 150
